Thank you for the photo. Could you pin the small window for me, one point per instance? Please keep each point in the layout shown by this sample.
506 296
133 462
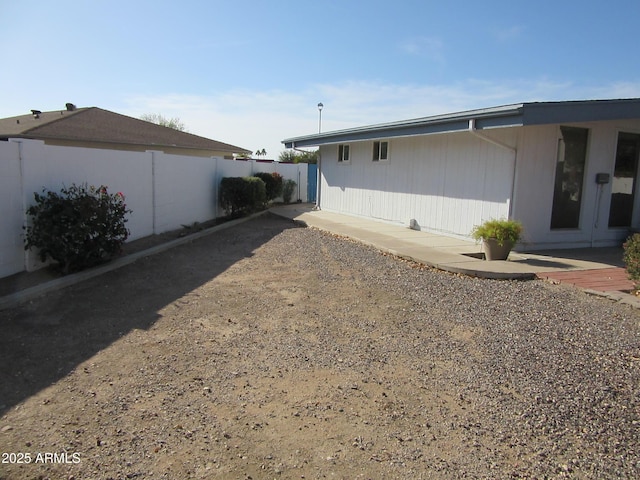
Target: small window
343 153
380 151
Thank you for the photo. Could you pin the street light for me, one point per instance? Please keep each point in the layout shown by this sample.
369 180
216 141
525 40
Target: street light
320 106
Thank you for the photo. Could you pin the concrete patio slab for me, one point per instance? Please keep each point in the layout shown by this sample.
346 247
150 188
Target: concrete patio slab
462 256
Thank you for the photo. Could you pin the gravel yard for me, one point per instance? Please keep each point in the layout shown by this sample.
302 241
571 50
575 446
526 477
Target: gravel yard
273 351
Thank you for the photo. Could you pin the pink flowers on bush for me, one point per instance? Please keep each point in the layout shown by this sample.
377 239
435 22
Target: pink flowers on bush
79 227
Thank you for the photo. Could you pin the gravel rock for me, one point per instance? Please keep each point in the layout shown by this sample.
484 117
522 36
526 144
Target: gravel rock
268 351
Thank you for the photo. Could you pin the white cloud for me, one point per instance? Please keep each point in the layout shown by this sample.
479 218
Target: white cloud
618 90
261 119
428 47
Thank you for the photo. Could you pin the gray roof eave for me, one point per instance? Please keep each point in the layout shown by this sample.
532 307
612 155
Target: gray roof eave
509 115
517 115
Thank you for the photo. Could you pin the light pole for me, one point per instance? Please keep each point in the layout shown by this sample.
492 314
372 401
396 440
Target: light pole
320 106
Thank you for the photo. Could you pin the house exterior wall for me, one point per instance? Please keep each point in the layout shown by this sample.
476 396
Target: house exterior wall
451 182
163 191
537 157
448 183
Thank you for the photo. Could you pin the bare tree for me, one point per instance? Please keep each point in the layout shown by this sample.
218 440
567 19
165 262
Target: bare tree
160 119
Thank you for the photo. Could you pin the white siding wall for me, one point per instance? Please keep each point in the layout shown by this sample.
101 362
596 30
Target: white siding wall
451 182
535 182
448 183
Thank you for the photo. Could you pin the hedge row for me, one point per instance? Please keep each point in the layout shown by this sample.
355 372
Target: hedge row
273 183
241 195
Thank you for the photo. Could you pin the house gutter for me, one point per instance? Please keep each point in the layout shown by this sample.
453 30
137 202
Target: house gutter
473 131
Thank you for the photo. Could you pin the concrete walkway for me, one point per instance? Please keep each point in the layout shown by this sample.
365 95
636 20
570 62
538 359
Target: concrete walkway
598 271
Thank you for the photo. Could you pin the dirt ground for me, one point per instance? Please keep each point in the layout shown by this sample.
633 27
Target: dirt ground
272 351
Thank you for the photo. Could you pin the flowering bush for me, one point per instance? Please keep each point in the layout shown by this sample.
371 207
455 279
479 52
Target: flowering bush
631 256
79 227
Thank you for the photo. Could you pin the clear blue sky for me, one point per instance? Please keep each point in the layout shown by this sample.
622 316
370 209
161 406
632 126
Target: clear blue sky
251 73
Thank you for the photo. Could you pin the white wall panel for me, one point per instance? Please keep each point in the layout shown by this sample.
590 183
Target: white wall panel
127 172
11 210
448 183
184 190
163 191
535 183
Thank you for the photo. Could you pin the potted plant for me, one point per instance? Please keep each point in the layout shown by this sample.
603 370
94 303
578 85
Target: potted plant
498 237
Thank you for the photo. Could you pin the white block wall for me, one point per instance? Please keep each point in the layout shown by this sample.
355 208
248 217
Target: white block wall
164 192
11 210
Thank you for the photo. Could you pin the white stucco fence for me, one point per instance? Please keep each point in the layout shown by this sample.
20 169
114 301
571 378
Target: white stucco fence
163 191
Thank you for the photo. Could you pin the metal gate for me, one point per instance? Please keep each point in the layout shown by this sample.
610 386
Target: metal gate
312 182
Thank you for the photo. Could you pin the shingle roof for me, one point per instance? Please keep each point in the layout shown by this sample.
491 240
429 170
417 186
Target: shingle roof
93 124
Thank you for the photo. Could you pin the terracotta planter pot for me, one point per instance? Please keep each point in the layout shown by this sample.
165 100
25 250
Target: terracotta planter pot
493 251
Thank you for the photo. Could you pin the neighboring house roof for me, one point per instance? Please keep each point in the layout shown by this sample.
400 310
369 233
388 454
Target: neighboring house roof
95 125
516 115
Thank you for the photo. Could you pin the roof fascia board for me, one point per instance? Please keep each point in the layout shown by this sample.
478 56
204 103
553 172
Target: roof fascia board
524 114
574 112
408 129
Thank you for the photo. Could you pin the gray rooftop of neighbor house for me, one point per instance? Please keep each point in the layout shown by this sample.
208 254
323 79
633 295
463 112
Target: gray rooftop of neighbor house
92 124
516 115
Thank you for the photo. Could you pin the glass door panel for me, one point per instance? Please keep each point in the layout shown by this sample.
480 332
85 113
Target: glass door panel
567 194
623 186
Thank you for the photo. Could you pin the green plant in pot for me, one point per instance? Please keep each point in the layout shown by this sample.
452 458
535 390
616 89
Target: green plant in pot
498 237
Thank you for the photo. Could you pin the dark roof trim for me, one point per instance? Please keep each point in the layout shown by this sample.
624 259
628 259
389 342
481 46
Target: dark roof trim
516 115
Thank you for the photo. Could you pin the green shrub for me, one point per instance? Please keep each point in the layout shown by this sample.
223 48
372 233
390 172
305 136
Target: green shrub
631 256
501 230
287 190
240 195
79 227
273 183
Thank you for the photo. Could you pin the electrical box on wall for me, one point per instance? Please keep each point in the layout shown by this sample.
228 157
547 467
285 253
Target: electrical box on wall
602 178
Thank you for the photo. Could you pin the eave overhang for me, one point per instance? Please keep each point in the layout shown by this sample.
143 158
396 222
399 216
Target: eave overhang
516 115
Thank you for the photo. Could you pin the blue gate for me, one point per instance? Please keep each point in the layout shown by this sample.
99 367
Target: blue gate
312 182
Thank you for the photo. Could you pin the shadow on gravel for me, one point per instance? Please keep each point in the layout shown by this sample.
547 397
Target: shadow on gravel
45 339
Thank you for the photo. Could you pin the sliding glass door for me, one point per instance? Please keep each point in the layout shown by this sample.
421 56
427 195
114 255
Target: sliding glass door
570 166
623 185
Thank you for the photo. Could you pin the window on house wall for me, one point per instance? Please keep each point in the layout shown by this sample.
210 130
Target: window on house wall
570 166
380 151
343 153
